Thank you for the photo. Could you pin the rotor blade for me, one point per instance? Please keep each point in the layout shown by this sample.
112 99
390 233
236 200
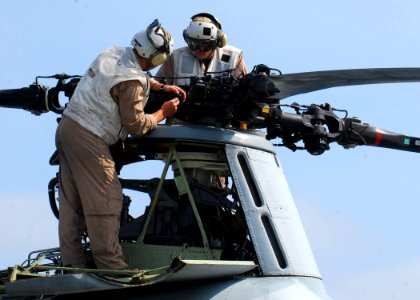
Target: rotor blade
301 83
29 98
364 134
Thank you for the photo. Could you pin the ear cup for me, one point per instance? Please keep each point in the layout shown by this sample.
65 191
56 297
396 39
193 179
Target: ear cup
158 58
221 39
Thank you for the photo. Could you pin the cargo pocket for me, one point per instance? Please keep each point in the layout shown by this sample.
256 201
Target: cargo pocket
108 167
112 193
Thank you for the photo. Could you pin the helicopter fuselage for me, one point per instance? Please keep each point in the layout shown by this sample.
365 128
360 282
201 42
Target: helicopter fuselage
225 211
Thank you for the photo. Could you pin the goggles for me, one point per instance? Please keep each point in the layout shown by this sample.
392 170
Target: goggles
202 45
159 40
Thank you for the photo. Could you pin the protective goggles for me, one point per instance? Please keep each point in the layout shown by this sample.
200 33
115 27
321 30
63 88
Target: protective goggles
158 39
202 45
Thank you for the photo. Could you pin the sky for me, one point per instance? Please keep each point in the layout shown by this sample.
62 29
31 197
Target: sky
359 206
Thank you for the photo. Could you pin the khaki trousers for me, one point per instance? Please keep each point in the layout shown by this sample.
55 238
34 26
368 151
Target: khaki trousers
90 197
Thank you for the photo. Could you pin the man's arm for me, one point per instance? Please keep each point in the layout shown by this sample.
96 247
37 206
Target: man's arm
240 68
129 95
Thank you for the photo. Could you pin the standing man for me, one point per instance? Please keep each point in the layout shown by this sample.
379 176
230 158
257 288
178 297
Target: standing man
107 105
206 52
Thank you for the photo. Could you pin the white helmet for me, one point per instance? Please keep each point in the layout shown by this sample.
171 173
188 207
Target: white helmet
154 43
204 33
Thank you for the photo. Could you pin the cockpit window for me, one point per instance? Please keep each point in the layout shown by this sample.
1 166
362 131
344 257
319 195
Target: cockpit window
250 180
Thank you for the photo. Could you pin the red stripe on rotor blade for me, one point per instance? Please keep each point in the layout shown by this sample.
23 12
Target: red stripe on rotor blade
378 138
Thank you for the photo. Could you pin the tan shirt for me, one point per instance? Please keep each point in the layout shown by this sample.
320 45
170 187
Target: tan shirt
129 96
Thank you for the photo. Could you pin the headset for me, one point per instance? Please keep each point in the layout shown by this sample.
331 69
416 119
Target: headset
203 35
154 43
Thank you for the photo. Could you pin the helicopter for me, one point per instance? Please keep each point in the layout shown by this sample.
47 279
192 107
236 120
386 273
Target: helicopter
218 226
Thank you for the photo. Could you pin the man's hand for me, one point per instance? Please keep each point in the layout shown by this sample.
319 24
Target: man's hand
170 107
176 90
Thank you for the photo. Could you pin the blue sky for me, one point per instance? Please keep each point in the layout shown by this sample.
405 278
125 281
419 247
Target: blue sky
359 207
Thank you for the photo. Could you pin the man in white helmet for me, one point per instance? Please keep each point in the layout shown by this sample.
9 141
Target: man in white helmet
107 105
206 52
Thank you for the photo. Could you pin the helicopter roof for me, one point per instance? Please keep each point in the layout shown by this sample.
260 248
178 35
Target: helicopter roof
254 139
